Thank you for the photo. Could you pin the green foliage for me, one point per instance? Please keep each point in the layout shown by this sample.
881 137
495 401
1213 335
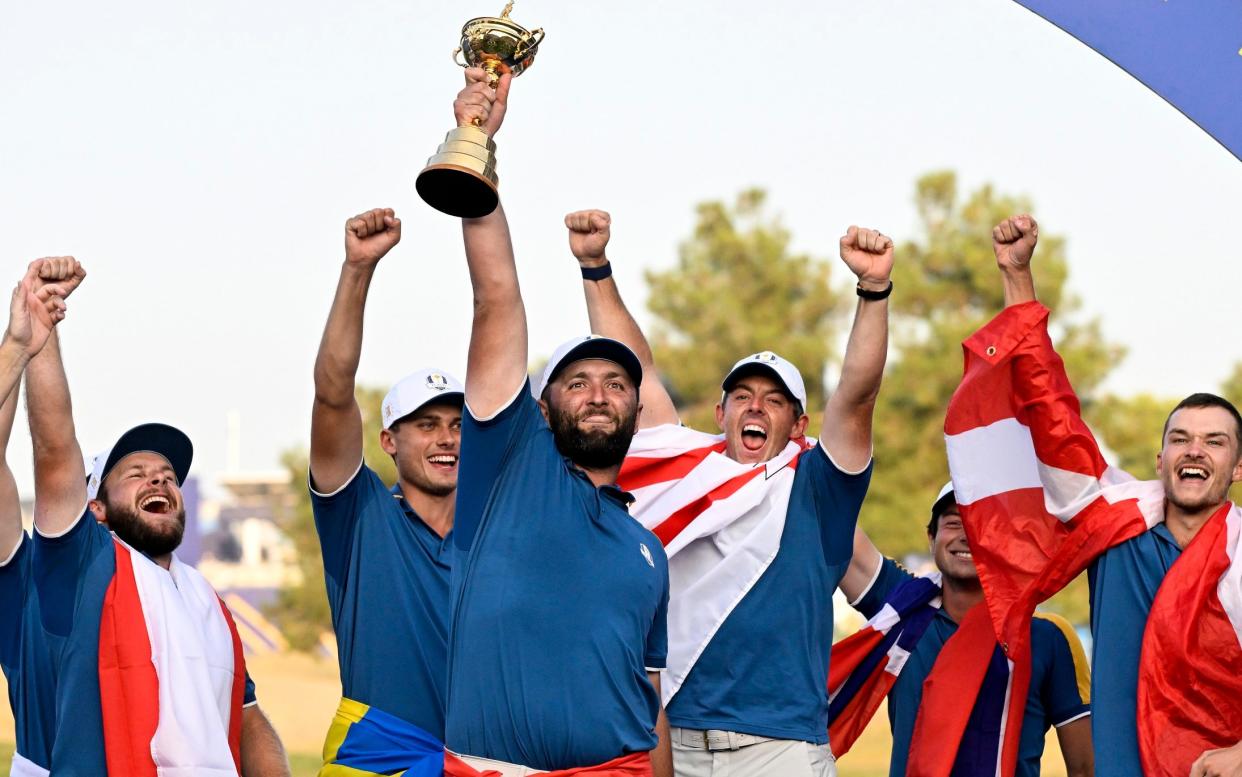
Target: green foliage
1130 427
738 289
302 609
946 286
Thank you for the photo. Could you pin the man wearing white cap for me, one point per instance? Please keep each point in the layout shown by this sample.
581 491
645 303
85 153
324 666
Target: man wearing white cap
757 523
150 676
386 551
558 631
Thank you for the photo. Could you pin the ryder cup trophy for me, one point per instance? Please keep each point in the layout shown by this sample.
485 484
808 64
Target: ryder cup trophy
460 179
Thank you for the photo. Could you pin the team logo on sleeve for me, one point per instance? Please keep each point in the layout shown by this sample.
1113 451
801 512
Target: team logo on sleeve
437 382
642 547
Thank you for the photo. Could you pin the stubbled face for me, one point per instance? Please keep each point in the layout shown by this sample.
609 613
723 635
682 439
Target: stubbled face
592 408
758 420
425 447
950 549
141 502
1198 460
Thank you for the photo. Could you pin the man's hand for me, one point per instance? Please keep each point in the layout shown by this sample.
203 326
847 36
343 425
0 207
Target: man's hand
65 271
869 255
36 307
1226 762
370 235
479 100
589 231
1014 240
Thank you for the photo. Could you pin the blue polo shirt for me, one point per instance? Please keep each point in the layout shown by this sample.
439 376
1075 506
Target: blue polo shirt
1123 581
25 659
559 604
1057 694
765 672
387 576
72 572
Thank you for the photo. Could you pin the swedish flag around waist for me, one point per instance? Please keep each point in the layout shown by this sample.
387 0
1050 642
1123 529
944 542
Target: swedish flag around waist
364 741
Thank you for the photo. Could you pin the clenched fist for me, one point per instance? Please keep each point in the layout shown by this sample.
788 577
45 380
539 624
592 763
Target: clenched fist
38 302
1014 241
482 102
370 235
64 271
589 231
869 255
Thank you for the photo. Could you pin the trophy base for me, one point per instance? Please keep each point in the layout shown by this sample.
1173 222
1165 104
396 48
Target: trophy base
457 191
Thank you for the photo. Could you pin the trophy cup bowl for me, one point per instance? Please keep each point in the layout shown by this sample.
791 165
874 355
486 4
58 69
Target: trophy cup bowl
460 179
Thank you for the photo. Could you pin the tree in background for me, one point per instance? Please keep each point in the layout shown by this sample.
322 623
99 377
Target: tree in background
945 286
738 289
302 609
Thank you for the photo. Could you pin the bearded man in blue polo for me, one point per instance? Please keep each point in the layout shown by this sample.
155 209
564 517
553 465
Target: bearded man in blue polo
559 596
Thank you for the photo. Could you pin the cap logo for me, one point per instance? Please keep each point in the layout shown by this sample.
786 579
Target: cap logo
437 382
765 356
642 547
388 412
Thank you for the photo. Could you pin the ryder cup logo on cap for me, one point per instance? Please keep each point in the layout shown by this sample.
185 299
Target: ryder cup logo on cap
94 474
417 389
772 365
591 347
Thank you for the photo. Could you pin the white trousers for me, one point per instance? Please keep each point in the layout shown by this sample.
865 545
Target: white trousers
758 757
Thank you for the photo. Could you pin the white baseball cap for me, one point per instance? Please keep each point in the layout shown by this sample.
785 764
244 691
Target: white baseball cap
162 439
768 363
427 385
591 347
944 500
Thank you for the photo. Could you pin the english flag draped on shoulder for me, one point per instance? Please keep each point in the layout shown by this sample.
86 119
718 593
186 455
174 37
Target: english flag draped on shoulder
1187 51
1039 504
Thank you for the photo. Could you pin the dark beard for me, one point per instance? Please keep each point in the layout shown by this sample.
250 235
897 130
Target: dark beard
131 529
594 449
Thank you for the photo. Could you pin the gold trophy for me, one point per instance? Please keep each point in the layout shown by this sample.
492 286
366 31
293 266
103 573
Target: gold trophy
460 179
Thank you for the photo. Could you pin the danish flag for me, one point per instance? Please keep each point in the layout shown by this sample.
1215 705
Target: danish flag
1039 503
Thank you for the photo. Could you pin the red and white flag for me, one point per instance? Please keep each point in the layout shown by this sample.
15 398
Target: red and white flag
1040 503
171 673
720 522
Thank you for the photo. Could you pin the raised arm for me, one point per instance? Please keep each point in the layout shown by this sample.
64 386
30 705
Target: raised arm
589 231
60 477
846 433
1013 241
863 567
496 365
10 504
336 420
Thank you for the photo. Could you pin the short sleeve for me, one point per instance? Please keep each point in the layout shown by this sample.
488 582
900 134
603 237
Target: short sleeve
656 653
890 575
336 521
249 698
14 586
487 445
838 496
1067 689
59 564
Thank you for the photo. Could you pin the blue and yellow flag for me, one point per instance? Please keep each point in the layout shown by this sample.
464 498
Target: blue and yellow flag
1187 51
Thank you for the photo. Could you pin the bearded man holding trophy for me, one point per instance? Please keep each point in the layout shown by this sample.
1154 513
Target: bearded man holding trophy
559 598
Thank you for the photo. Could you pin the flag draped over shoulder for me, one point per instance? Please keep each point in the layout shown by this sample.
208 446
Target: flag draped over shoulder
867 663
171 673
1189 53
1039 504
720 522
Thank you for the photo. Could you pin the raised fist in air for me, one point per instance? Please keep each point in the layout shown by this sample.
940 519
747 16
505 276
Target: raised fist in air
1014 241
869 255
589 231
370 235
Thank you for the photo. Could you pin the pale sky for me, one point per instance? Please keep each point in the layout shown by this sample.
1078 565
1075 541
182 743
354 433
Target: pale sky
200 160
